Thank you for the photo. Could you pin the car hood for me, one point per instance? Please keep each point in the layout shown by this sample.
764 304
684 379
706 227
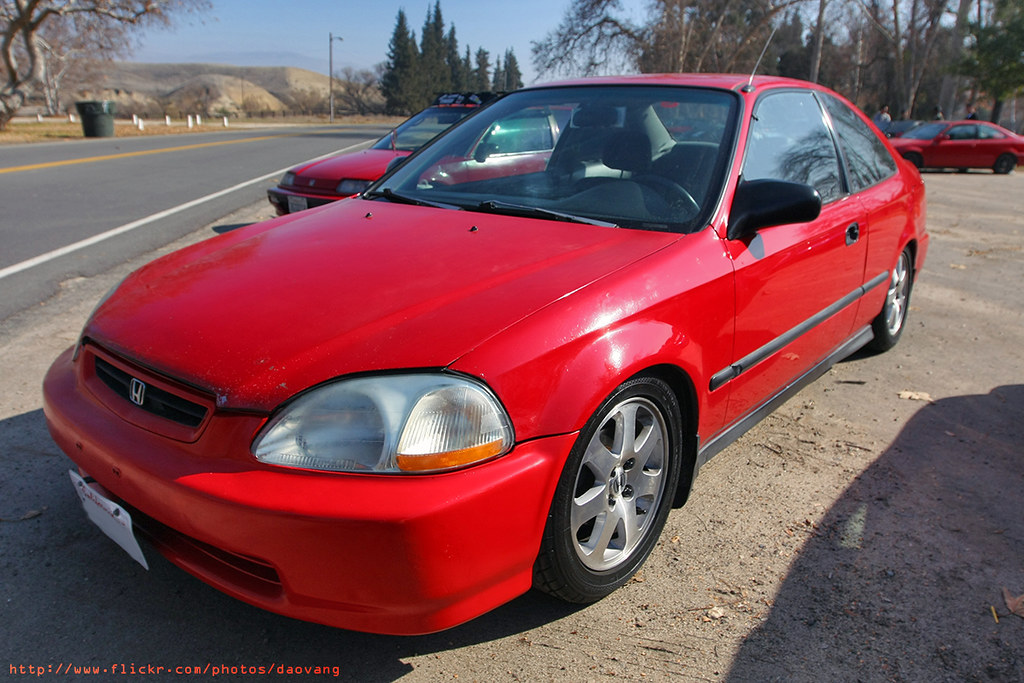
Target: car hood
259 314
368 164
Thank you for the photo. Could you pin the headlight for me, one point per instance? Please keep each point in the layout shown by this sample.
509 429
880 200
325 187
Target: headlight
395 423
352 186
289 178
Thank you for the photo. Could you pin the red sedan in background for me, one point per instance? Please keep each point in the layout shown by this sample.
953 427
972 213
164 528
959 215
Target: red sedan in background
403 410
345 175
962 145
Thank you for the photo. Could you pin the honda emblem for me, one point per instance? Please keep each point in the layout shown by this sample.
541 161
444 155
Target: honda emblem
137 392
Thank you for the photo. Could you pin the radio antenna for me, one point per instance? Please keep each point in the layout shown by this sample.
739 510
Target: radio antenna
750 82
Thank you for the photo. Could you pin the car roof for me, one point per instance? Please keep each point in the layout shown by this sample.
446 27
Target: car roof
706 80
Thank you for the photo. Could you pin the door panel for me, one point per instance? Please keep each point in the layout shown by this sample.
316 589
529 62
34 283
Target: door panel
792 280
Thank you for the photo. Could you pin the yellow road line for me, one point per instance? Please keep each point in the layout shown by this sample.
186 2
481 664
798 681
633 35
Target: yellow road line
125 155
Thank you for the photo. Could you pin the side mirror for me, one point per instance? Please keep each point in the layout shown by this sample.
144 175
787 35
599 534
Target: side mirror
394 163
484 150
763 203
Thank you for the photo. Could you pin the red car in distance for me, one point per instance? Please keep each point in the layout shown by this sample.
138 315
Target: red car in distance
398 412
337 177
961 145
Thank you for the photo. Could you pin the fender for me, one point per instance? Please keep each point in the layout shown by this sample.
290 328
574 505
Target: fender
575 361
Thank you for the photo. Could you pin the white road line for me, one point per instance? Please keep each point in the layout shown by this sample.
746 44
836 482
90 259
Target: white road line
95 239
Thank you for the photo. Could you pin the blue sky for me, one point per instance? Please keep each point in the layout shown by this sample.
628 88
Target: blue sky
295 33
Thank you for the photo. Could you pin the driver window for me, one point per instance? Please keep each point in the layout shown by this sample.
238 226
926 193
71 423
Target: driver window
789 141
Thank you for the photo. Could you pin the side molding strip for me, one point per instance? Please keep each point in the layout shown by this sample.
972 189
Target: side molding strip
730 373
740 427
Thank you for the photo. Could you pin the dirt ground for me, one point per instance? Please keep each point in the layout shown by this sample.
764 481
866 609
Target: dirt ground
864 532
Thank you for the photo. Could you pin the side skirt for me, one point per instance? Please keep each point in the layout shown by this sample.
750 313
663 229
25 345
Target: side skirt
730 434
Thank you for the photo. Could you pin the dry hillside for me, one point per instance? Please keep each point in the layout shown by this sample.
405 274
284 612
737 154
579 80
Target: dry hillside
157 88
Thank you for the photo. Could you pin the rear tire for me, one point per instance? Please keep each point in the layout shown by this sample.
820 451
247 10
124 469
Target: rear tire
614 494
889 324
1005 164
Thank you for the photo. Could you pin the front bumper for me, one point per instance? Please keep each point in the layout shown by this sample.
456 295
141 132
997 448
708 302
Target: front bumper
279 198
385 554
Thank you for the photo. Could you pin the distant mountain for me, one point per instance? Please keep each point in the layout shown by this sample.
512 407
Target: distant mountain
222 88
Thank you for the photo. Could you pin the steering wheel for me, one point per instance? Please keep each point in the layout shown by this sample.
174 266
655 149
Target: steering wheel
673 192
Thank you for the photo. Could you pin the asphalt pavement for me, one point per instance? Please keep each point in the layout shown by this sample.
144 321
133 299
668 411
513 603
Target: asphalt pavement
75 209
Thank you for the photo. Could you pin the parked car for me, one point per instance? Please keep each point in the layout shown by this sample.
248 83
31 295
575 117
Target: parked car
344 175
962 145
403 410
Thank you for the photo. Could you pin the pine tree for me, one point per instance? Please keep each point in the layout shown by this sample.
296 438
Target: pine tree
398 83
513 76
467 69
435 74
482 72
498 82
456 67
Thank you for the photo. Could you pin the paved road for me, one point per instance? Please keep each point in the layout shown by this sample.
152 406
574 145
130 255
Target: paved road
59 194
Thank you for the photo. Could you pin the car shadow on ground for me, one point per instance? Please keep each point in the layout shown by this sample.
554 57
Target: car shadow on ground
60 576
899 580
229 227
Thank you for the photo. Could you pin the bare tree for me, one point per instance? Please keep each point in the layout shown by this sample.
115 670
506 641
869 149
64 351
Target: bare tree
72 52
909 30
677 35
22 40
307 101
359 91
591 39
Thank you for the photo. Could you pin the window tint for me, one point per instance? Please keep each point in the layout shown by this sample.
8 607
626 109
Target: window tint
986 133
789 141
416 131
521 134
963 132
867 159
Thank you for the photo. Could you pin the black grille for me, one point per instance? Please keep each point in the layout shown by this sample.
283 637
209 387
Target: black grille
156 401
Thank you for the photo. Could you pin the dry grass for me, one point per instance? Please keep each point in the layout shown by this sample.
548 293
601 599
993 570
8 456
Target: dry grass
22 131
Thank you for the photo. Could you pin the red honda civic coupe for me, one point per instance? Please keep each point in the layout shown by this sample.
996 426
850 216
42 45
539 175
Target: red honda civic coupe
962 145
344 175
397 412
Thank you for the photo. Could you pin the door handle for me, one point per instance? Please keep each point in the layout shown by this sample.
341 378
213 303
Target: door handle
852 233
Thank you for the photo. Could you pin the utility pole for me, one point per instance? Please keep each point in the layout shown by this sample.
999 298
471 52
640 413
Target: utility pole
330 67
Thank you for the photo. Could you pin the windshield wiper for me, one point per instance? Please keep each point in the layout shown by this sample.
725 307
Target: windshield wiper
492 206
397 198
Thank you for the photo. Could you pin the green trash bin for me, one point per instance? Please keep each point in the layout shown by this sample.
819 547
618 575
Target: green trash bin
97 118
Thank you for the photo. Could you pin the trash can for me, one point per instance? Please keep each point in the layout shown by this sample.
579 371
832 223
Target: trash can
97 118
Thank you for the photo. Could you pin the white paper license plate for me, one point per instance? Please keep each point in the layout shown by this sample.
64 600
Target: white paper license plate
296 204
111 518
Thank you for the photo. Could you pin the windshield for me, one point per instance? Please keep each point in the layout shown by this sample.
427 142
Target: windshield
925 131
630 156
412 134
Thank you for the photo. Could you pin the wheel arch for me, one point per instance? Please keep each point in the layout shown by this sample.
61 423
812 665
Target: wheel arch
683 388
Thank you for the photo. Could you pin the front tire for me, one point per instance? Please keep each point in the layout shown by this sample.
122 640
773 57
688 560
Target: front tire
916 159
888 325
614 493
